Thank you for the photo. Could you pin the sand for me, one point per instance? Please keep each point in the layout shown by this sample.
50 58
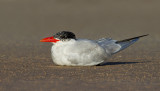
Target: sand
26 64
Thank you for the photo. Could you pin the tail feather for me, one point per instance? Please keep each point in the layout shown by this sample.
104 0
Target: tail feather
127 42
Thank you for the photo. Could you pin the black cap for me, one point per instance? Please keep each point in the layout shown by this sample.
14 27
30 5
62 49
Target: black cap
64 35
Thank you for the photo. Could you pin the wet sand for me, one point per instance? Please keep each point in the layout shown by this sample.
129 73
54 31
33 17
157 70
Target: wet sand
26 64
125 71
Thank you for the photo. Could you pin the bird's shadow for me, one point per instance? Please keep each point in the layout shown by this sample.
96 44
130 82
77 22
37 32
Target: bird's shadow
117 63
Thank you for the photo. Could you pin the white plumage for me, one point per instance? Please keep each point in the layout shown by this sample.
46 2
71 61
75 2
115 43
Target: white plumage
84 52
79 52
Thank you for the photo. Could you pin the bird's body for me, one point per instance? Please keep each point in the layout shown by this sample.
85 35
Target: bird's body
80 52
84 52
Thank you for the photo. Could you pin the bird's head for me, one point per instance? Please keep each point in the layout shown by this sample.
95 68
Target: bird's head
60 36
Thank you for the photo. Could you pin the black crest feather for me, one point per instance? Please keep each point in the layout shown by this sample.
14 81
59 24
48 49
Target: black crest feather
64 35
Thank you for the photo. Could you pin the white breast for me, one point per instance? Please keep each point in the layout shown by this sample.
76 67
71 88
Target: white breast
78 53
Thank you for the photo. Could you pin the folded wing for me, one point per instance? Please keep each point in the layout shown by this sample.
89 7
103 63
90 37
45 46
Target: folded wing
114 46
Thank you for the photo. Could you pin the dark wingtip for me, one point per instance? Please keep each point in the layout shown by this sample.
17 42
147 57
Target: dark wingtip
132 38
143 35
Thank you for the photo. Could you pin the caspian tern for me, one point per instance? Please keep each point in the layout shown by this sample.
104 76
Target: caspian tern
71 51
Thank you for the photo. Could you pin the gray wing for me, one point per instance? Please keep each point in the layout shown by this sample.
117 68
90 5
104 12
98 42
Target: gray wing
109 45
114 46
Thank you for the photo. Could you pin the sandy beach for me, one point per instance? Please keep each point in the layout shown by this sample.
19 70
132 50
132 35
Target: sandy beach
26 64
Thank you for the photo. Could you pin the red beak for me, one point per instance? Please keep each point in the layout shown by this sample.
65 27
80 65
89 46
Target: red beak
49 39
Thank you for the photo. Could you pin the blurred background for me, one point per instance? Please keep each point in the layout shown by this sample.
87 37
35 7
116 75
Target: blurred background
24 58
30 20
24 22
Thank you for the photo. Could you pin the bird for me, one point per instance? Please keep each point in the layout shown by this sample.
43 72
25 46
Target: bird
67 50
